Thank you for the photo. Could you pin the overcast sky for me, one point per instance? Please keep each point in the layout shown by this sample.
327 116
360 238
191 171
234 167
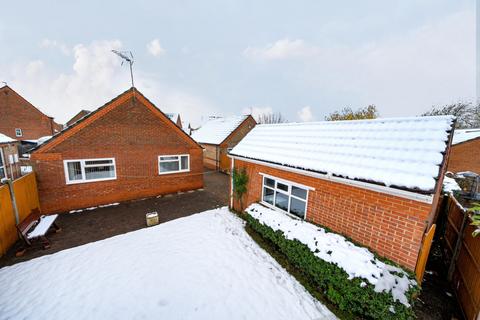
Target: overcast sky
304 59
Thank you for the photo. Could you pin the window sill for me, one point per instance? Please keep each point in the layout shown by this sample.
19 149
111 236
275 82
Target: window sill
173 172
88 181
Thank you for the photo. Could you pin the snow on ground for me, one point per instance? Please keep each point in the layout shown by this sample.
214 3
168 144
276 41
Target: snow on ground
331 247
201 267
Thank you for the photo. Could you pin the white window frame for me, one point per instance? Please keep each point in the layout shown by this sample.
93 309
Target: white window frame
82 166
179 159
288 193
18 132
4 164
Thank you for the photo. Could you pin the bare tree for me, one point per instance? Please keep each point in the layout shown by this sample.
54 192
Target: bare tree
347 113
268 118
467 113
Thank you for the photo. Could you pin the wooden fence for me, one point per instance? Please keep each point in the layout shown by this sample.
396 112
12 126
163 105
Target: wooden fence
463 253
26 196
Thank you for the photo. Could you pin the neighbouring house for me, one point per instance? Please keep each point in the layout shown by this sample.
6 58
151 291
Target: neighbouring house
375 181
175 117
21 120
220 135
465 153
9 160
126 149
77 117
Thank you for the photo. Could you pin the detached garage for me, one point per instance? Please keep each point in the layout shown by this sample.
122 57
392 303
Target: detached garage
375 181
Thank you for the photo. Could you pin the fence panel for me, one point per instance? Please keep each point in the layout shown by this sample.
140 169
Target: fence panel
8 232
26 195
466 271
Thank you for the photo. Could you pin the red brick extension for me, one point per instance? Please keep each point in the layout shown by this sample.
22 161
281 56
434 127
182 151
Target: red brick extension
390 225
16 112
465 156
134 133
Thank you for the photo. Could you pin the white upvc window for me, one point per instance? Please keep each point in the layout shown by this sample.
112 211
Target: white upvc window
18 132
89 170
173 163
286 196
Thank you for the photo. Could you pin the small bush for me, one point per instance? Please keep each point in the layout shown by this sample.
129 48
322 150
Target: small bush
332 281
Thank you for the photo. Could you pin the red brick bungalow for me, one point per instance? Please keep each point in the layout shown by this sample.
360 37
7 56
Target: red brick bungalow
124 150
21 120
465 153
375 181
220 135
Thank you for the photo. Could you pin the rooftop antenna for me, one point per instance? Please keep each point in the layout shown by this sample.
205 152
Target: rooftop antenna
126 56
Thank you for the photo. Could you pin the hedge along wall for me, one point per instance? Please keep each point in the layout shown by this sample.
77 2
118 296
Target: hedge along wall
357 295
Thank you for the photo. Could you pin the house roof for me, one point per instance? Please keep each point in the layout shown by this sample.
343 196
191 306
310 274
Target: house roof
6 139
98 113
77 117
215 131
405 153
462 135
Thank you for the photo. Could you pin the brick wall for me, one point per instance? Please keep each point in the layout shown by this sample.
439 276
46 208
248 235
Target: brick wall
232 140
465 156
16 112
210 156
392 226
132 135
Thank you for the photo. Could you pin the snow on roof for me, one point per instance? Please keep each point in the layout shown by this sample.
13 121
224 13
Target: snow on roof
6 139
400 152
216 130
462 135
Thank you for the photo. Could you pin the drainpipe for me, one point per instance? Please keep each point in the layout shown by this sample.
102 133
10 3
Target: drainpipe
231 183
14 201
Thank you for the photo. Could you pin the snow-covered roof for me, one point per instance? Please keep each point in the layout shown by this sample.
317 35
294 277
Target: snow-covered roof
216 130
6 139
462 135
399 152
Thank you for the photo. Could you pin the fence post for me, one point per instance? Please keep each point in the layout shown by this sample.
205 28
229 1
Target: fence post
14 200
458 246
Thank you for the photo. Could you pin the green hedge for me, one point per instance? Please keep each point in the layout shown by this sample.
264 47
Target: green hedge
332 281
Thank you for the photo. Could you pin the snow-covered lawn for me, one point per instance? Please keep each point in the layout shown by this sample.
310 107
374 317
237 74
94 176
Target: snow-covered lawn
201 267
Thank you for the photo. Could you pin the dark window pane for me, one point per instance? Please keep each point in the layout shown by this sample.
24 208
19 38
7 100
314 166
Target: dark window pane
185 163
169 158
2 173
282 186
169 166
297 207
299 192
269 182
104 172
281 201
74 171
97 162
268 195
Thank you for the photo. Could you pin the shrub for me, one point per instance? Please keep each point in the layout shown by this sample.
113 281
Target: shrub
356 296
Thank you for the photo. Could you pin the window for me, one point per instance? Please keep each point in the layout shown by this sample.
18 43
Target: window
18 132
285 196
3 168
89 170
173 163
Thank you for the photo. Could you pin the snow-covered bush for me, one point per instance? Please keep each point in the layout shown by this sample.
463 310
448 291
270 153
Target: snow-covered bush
349 276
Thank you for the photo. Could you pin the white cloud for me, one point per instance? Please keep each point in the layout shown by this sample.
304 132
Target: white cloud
48 43
282 49
96 77
305 114
155 48
256 112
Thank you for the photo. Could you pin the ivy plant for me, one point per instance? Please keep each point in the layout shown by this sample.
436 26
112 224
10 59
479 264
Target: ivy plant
240 182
